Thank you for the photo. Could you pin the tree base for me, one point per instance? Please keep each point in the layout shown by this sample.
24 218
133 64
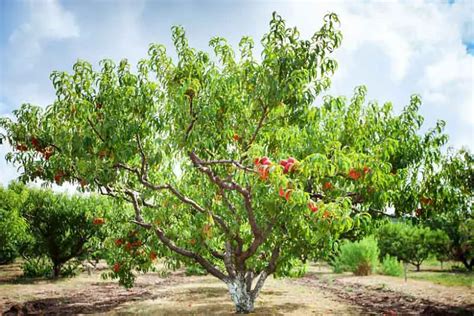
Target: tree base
243 300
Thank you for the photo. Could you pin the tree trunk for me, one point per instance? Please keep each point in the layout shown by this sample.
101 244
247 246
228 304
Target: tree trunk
405 270
56 270
466 263
470 265
241 296
418 267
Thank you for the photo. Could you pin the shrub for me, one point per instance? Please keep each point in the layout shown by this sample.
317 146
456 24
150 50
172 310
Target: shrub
359 257
43 267
391 266
337 266
37 267
70 269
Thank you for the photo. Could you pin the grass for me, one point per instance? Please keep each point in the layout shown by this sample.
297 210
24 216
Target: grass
431 271
445 278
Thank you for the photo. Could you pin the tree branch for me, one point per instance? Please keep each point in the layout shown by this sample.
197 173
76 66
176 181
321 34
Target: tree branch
144 168
193 119
257 241
95 130
228 161
228 260
184 252
229 185
203 262
271 267
259 126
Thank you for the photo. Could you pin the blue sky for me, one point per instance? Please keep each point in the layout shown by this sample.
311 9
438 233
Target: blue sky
396 48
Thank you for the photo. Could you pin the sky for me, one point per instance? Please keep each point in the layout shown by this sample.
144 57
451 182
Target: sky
395 48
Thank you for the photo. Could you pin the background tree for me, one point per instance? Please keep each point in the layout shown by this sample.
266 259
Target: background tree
228 161
62 226
13 227
409 243
446 203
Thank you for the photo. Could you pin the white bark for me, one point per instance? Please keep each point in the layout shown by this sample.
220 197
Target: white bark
260 282
243 299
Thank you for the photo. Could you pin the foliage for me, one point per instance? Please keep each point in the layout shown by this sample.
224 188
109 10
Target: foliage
62 226
391 266
359 257
194 143
408 243
13 228
448 205
37 267
195 270
441 245
128 249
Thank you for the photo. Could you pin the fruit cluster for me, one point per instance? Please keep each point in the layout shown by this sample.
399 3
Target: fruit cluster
263 167
426 201
312 206
130 243
58 177
355 174
117 267
46 151
327 185
289 165
285 193
98 221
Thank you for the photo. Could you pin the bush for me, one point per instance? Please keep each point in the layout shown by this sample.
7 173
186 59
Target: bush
337 266
37 267
359 257
43 267
391 266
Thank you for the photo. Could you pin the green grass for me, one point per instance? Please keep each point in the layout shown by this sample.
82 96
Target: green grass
445 278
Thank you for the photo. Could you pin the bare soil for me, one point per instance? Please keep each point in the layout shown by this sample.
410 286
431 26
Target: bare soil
318 293
385 295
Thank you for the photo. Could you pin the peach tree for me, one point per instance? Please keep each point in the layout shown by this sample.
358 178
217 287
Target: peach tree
227 159
447 203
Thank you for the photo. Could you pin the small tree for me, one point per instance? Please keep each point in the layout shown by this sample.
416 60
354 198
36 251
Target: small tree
227 160
62 226
446 203
408 243
441 246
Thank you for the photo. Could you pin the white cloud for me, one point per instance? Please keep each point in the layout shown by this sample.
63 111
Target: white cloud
449 82
398 48
47 21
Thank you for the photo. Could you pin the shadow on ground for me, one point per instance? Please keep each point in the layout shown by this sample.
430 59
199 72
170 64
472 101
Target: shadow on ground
212 308
96 299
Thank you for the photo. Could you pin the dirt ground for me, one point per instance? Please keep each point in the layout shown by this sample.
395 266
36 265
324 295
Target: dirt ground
318 293
392 296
